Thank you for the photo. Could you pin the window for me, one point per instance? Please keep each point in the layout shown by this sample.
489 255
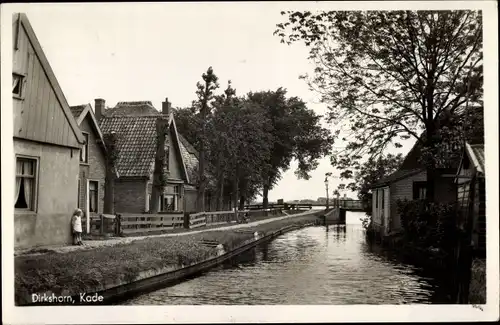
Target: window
93 198
170 199
376 199
17 84
25 184
419 190
84 153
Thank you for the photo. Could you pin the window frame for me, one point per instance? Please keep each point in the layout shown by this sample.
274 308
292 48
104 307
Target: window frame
36 178
22 81
86 136
96 196
417 188
78 193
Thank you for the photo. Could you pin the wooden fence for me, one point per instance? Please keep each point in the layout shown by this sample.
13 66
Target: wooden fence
134 223
127 223
202 219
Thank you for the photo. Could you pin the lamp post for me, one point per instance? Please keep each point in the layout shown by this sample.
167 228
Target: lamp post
326 185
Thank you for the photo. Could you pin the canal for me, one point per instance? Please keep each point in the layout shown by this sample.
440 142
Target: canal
306 266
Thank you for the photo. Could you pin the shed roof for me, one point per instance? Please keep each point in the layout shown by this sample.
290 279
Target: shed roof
396 176
476 155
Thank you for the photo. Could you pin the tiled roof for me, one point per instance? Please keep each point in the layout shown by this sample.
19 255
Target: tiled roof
136 143
190 156
190 160
476 151
189 146
143 108
77 110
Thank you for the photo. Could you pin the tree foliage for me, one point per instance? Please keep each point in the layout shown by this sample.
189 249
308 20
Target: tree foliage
370 172
296 133
205 93
251 140
388 76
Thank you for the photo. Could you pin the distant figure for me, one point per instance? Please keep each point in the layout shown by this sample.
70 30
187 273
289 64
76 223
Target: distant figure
76 227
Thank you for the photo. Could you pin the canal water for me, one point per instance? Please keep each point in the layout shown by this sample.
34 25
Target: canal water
315 265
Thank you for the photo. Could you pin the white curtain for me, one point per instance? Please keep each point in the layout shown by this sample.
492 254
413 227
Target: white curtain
28 188
19 171
15 81
28 183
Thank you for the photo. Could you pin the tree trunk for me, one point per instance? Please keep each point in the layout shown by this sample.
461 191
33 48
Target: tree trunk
158 174
242 202
200 199
235 196
265 194
220 184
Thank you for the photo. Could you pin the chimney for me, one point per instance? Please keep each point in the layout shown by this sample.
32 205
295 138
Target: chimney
165 107
99 108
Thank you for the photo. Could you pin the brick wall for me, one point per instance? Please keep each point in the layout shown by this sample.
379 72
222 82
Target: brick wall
130 195
94 170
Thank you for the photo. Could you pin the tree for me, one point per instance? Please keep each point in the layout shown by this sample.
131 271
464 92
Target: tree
243 144
205 93
112 154
391 75
296 133
370 172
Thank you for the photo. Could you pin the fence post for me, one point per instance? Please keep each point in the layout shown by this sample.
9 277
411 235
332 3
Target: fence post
118 224
102 224
186 220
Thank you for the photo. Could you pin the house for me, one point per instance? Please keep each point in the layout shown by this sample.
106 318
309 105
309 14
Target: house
471 193
47 142
408 182
136 124
92 176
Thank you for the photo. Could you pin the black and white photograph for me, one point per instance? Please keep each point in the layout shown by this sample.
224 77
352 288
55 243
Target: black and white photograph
250 162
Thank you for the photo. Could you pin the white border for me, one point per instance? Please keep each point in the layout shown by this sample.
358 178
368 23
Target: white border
205 314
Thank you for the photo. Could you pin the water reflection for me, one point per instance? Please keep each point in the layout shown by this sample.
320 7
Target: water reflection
315 265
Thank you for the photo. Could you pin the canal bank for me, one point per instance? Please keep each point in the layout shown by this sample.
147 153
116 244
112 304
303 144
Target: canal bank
115 271
314 265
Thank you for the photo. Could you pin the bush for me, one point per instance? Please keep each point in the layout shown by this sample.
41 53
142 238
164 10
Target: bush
477 293
429 224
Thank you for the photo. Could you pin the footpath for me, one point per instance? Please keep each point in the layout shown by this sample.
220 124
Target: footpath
102 264
113 241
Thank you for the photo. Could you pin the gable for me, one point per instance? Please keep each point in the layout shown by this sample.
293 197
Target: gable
83 113
176 170
41 113
86 125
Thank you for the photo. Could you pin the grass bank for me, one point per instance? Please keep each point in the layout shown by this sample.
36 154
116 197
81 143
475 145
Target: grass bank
83 271
477 289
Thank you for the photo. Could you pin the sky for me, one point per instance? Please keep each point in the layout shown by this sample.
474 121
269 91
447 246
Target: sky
155 51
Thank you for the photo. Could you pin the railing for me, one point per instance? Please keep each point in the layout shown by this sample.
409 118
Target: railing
202 219
101 224
197 220
346 204
134 223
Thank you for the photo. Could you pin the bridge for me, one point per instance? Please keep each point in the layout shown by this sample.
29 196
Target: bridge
348 205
